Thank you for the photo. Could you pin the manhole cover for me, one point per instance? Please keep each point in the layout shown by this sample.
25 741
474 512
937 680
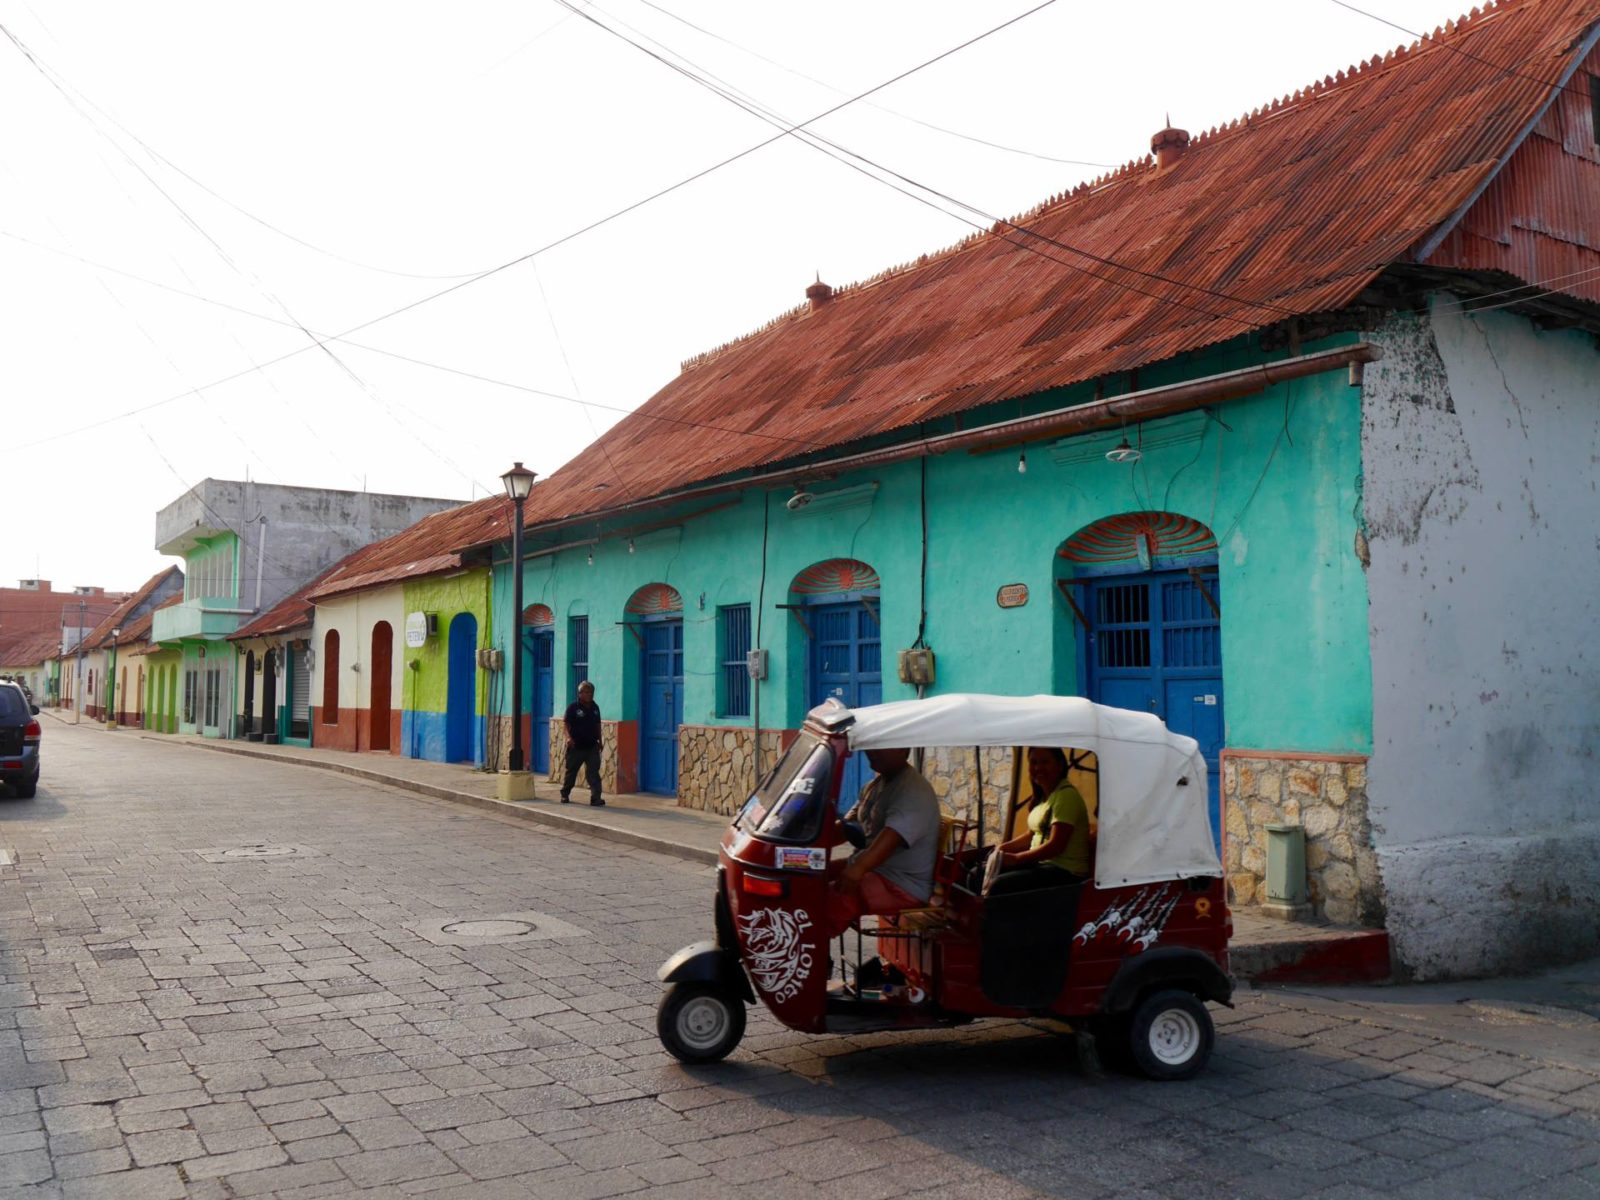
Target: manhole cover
490 928
255 850
493 929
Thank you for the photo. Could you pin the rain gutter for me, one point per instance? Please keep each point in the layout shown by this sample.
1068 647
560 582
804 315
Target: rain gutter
1142 405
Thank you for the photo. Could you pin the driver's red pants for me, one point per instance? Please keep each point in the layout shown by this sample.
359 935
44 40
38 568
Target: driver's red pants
876 895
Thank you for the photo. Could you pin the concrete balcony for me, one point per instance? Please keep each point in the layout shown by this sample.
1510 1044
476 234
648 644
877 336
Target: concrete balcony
195 619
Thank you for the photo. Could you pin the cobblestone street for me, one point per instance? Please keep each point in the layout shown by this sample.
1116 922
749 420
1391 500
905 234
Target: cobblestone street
178 1020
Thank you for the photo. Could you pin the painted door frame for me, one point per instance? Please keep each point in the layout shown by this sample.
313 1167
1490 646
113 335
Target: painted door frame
646 623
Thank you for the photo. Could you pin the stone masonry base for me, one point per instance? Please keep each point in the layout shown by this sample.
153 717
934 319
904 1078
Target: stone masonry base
1327 796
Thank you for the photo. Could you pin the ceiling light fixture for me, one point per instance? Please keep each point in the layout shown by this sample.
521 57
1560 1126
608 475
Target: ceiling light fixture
1022 463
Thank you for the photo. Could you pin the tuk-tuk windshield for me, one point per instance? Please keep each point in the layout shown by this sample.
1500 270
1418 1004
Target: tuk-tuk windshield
788 805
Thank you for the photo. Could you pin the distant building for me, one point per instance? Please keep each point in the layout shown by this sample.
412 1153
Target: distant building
246 546
113 679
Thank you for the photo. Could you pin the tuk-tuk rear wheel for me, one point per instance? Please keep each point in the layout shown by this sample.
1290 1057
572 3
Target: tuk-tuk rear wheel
1171 1035
699 1022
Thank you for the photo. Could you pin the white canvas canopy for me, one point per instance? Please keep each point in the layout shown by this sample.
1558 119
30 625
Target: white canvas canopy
1154 818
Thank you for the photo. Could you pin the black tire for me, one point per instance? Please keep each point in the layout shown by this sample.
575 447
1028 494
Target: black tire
27 788
1170 1035
699 1022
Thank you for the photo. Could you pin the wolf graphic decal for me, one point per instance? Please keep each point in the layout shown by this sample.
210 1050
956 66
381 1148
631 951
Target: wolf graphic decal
777 957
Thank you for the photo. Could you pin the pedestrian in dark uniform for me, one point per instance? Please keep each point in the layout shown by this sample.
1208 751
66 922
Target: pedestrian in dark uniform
583 744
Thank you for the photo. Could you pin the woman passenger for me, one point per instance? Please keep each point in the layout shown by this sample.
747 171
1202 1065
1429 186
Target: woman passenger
1055 851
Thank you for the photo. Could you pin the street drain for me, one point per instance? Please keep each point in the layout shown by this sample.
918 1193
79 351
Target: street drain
253 851
488 929
494 929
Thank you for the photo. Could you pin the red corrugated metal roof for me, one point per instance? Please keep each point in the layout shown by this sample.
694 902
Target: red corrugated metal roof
1294 209
28 648
430 546
100 636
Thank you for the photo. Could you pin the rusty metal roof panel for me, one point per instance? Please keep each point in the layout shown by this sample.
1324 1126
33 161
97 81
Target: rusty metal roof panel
100 636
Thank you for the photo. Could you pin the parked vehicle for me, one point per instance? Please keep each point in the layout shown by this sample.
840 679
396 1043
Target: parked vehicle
1130 958
19 740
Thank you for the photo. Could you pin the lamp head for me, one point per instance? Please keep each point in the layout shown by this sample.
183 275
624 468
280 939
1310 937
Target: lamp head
518 482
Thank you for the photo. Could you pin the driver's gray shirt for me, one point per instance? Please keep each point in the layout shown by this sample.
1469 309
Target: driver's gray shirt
905 803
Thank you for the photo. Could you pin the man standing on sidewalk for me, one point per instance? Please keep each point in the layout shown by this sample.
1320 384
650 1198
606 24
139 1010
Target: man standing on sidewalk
583 744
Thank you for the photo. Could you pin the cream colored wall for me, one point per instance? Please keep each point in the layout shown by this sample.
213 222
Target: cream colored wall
354 617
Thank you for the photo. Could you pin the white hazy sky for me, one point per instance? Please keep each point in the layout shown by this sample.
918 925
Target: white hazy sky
317 165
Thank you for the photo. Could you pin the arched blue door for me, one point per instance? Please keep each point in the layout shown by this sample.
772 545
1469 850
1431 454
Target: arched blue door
1155 645
461 700
846 665
660 705
543 688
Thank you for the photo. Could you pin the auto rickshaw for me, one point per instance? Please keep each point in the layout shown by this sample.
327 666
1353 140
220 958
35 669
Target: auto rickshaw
1127 959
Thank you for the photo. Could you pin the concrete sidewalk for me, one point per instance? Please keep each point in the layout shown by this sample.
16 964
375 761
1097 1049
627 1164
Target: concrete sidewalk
1262 950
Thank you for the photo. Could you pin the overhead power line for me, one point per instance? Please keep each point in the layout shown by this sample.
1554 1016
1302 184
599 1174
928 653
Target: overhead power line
548 246
955 133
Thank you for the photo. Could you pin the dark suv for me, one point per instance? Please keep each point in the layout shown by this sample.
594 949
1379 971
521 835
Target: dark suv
19 740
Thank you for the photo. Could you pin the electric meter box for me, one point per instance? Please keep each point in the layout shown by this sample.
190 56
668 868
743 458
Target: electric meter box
916 666
755 664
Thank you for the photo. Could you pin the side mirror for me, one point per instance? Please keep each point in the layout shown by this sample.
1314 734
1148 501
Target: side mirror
854 834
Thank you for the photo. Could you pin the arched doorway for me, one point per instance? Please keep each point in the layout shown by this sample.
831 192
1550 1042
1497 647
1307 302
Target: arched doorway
380 711
655 613
539 644
1147 605
250 730
461 699
844 652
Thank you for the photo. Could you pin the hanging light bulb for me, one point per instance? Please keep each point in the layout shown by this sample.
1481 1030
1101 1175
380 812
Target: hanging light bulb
1022 463
630 545
591 556
1122 452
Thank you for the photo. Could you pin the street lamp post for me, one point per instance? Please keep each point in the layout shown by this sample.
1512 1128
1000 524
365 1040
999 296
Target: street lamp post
518 483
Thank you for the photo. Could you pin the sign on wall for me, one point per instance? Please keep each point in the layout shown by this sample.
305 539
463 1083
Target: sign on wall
416 629
1012 595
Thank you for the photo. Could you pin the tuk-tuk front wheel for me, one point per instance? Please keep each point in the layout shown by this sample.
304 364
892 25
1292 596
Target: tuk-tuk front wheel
699 1022
1170 1035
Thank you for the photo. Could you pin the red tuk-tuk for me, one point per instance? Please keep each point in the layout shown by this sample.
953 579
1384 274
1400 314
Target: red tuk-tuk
1129 957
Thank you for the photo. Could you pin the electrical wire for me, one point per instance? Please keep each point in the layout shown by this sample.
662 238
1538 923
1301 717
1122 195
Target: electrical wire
1443 44
406 358
829 147
560 241
966 137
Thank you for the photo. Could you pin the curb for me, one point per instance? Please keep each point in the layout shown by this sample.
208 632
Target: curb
518 811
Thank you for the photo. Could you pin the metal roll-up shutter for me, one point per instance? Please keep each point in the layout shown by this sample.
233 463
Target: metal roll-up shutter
300 685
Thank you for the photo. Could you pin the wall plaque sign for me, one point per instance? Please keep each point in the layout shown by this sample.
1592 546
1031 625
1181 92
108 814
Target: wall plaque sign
1012 595
416 629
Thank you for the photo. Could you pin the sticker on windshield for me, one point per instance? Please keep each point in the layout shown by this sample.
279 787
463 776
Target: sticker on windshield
779 961
801 858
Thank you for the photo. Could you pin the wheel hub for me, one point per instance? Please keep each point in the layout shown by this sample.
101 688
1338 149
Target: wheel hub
702 1022
1174 1036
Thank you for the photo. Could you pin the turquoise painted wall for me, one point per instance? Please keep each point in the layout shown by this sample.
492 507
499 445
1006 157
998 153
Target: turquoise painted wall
1278 485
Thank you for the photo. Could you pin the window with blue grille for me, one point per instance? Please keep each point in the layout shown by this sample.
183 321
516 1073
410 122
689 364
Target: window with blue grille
578 652
734 637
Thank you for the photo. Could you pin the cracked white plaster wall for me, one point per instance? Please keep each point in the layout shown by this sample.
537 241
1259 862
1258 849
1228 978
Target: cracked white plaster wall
1480 440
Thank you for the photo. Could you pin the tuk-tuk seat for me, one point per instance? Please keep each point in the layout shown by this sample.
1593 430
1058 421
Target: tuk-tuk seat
935 914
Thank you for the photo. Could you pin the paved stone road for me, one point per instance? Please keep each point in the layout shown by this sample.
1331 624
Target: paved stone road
177 1024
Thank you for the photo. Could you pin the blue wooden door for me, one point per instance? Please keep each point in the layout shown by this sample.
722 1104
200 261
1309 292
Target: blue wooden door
461 699
543 697
846 665
660 706
1155 645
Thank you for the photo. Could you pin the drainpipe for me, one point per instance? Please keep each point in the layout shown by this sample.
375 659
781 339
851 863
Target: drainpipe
261 557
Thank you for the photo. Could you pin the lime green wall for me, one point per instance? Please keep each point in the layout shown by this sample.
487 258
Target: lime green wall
1278 486
426 688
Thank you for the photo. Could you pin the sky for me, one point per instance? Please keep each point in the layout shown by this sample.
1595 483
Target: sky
193 196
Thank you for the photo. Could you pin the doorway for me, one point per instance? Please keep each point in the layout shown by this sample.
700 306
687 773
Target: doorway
269 696
1154 644
660 704
461 700
380 709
